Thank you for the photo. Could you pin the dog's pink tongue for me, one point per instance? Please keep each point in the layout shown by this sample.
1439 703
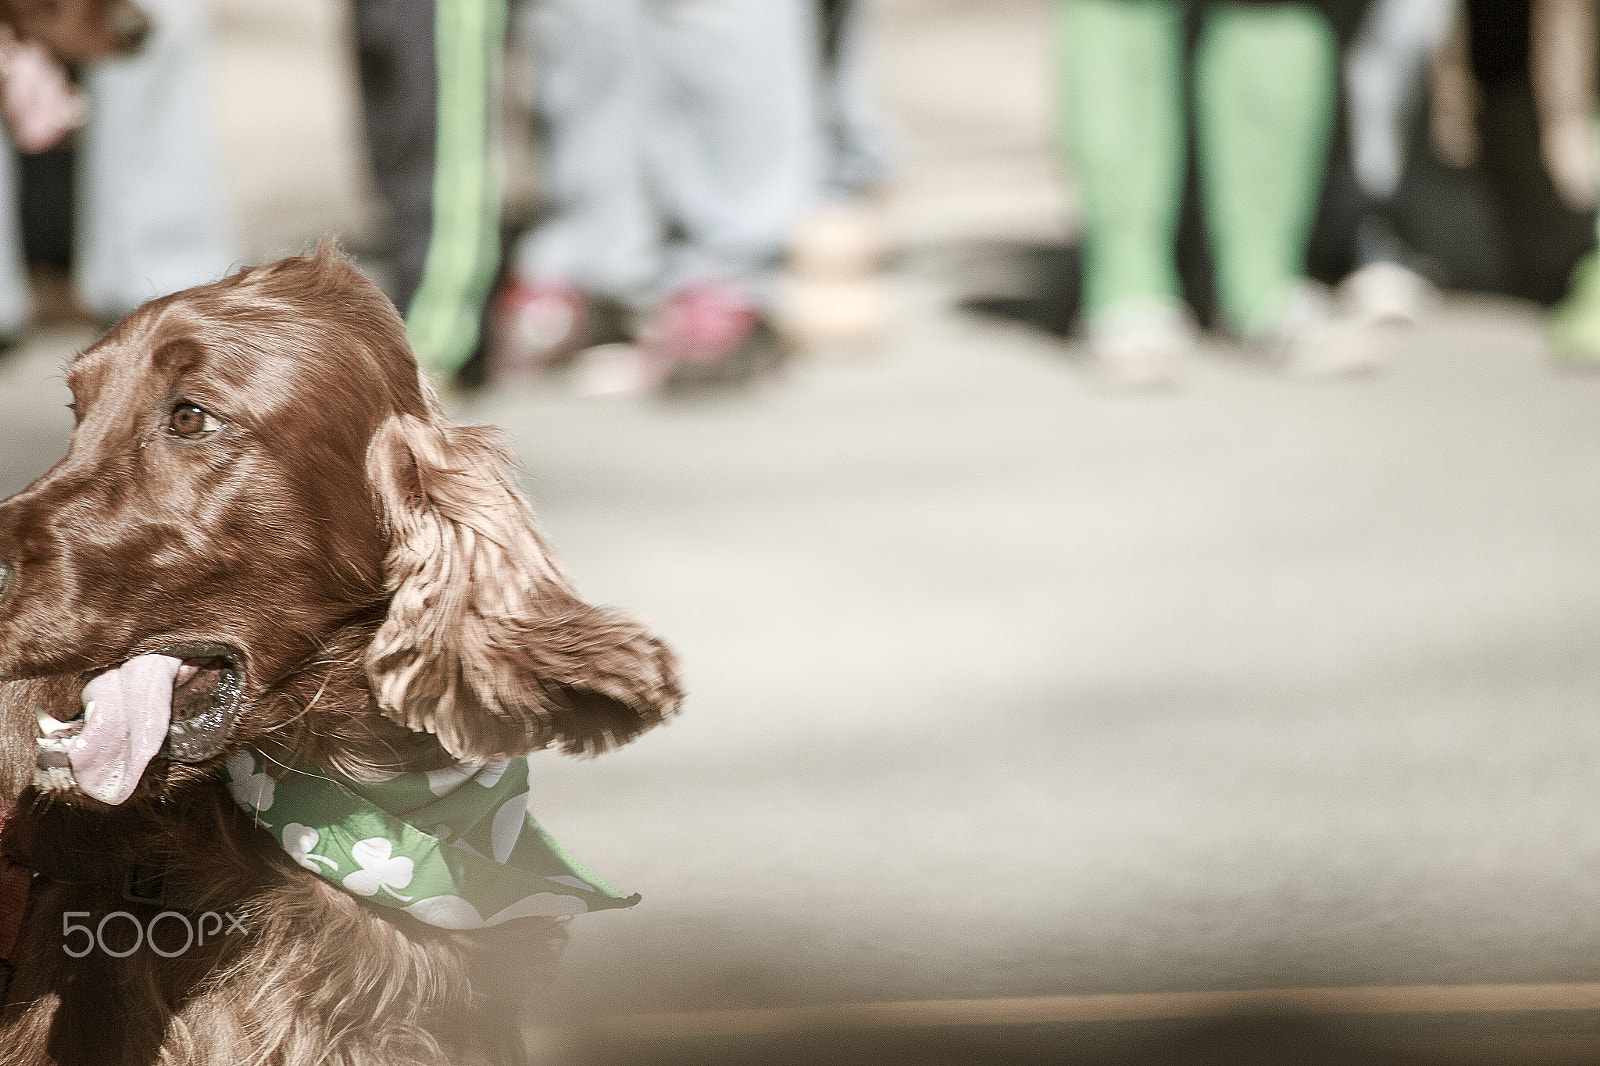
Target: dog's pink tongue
126 715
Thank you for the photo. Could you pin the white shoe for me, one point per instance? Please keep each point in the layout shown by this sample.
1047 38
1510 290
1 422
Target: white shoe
617 371
1143 350
1314 338
1387 294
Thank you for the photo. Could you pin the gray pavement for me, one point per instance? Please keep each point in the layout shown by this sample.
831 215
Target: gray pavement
1002 686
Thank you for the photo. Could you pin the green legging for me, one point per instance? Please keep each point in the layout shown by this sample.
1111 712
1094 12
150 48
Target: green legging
1264 88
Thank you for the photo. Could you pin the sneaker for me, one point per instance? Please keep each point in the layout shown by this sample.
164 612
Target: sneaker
701 324
1387 294
1142 350
701 336
617 371
534 325
1315 338
707 335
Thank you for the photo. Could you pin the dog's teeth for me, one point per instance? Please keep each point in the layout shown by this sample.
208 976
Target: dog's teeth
53 778
48 724
52 744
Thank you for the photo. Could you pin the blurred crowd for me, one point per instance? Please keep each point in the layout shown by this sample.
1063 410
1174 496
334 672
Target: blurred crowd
1306 175
1302 175
682 144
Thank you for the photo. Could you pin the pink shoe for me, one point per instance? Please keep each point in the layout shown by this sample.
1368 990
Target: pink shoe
705 335
535 324
700 325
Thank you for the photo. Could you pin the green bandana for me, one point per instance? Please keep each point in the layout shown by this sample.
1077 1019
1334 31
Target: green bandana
455 848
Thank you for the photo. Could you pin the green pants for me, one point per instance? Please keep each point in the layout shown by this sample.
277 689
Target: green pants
1264 90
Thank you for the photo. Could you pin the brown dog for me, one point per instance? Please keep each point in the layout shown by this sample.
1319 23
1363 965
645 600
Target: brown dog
261 485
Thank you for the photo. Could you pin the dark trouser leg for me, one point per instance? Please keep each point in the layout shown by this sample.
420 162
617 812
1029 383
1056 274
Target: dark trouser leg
428 73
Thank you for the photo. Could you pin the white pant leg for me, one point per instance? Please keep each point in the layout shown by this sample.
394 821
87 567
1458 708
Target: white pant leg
1384 72
16 300
860 148
149 218
604 234
734 139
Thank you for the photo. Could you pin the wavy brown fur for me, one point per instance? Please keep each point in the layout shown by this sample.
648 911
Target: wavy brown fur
395 607
321 979
479 608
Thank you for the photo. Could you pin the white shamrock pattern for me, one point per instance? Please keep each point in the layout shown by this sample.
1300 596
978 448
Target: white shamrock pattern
507 826
491 773
395 857
252 791
298 840
380 869
444 781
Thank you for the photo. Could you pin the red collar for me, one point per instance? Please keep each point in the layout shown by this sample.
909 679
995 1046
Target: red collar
16 888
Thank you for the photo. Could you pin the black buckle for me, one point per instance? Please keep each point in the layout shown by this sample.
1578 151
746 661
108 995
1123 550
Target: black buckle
144 885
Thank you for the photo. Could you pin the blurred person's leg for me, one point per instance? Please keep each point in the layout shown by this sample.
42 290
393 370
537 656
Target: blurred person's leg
16 300
733 153
150 218
1124 138
428 75
1441 218
1575 321
700 115
1265 88
1564 40
1548 241
859 143
833 295
1384 79
1385 72
733 139
603 235
1545 237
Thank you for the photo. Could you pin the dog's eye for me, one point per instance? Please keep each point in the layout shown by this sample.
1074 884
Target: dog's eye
192 423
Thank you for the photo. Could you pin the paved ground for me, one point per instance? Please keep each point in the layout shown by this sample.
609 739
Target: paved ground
1004 687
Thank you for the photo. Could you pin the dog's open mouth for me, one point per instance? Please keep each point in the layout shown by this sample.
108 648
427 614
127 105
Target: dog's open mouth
178 703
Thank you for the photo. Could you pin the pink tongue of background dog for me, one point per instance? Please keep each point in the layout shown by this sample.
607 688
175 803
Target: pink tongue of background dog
132 710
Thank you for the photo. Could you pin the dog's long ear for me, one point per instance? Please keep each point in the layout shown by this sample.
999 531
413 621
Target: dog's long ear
486 644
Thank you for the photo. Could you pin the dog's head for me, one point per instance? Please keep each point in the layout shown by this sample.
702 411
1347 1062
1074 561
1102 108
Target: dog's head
258 470
79 31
